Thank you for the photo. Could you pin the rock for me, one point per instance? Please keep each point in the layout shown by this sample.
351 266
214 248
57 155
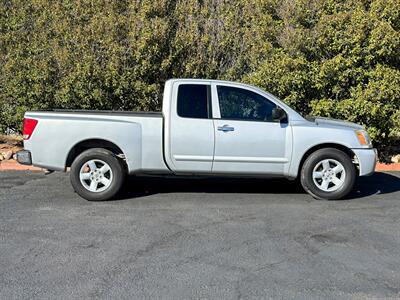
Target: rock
7 155
396 158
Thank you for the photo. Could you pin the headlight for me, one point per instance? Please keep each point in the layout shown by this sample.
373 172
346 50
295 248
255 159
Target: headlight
363 137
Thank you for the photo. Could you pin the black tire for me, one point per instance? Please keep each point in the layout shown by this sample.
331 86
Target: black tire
306 176
115 164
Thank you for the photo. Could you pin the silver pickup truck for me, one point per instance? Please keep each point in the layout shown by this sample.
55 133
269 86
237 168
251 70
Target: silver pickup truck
206 128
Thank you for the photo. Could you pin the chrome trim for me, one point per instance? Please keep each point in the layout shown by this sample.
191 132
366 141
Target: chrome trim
226 128
250 159
193 158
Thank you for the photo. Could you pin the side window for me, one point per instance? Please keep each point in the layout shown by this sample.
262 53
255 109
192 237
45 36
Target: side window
240 104
193 101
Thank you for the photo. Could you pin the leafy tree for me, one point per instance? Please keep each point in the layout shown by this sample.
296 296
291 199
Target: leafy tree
337 58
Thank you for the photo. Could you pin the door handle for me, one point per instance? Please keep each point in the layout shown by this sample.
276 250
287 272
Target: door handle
226 128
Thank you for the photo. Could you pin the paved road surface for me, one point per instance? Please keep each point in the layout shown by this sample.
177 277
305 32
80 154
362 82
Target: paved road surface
191 239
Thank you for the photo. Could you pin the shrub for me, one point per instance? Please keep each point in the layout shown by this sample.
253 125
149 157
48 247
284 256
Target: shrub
332 58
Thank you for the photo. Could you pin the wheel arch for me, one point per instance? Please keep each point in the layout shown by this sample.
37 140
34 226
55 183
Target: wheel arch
314 148
84 145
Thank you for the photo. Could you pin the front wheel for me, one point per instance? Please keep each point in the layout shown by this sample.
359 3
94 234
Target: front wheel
97 174
328 174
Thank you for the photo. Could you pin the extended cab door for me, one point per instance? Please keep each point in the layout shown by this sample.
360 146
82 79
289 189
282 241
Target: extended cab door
189 128
248 140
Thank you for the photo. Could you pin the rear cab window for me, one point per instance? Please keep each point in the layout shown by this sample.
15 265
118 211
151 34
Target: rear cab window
194 101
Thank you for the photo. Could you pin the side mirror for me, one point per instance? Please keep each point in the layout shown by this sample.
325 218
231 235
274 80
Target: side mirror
278 114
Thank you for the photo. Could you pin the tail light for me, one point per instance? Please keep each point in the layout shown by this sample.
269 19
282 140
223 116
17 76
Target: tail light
29 127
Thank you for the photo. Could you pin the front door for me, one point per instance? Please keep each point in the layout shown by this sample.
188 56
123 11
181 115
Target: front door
247 138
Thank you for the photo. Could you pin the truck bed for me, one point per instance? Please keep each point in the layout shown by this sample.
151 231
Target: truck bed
138 134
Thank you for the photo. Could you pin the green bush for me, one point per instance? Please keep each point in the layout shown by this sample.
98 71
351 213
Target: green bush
336 58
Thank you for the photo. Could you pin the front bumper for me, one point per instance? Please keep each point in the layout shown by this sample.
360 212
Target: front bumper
24 157
367 159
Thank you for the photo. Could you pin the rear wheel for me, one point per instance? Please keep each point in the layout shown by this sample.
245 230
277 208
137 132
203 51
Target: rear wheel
328 174
97 174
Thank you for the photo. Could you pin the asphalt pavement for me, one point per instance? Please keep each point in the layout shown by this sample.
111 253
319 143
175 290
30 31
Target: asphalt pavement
198 239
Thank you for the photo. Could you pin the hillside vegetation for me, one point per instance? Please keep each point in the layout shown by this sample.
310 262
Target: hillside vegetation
330 58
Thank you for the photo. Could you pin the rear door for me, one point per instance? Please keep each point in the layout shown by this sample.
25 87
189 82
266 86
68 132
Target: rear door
190 128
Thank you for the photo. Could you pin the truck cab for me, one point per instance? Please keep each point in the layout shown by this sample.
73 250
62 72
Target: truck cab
221 127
